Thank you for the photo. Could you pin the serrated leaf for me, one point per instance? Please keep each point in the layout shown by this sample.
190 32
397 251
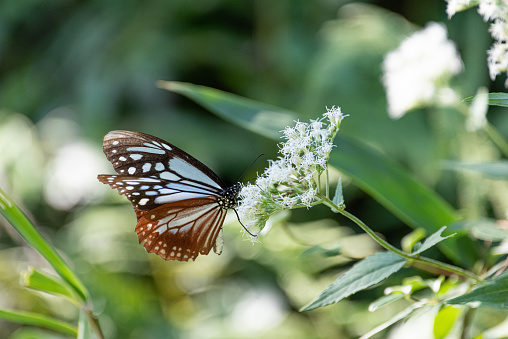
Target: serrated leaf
362 275
385 300
338 198
494 170
432 240
494 294
495 99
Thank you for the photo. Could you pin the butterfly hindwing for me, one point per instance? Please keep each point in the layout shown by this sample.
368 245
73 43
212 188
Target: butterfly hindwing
181 230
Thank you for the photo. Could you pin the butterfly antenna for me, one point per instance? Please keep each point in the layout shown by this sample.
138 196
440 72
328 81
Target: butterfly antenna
245 228
252 163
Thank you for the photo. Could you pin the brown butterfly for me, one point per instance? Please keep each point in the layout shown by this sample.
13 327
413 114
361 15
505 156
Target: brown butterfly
180 203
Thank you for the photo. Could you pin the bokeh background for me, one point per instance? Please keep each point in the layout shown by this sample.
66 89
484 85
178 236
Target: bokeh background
70 71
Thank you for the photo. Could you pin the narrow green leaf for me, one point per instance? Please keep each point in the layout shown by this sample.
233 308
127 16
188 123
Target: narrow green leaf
495 99
399 316
20 222
362 275
494 170
34 319
432 240
494 294
386 300
387 182
257 117
444 321
45 283
338 198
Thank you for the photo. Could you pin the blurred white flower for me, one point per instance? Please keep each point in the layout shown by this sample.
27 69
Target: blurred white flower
293 179
455 6
497 12
418 72
72 176
478 111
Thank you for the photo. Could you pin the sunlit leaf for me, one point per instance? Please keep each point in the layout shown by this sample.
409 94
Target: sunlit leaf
484 229
494 294
84 328
444 321
495 99
409 241
20 222
34 319
432 240
45 283
494 170
362 275
389 183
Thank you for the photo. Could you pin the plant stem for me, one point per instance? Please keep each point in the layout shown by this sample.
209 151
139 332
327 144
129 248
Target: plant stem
421 262
94 322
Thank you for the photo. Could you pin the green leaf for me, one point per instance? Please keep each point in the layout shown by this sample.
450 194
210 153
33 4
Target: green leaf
45 283
399 316
34 319
483 229
444 321
495 99
410 240
493 170
362 275
387 182
20 222
494 294
260 118
432 240
338 198
385 300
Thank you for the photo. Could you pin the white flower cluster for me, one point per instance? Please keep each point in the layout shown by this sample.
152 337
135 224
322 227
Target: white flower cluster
418 72
497 12
293 179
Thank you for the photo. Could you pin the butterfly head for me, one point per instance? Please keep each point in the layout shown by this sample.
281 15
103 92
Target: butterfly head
230 196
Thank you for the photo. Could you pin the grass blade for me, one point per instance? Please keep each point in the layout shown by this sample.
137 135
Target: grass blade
20 222
34 319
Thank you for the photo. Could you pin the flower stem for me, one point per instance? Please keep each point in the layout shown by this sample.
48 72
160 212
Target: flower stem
424 263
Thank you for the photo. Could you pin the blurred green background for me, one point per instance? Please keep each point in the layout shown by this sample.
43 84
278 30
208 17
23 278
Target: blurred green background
70 71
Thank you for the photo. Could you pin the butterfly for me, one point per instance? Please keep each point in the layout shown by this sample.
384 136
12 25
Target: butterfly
179 202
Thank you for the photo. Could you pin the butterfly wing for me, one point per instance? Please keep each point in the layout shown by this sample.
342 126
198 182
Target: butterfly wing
176 197
181 230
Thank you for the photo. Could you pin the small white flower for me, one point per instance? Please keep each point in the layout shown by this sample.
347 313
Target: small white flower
416 71
455 6
291 180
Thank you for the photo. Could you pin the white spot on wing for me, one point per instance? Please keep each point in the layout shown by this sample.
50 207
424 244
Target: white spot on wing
159 166
146 167
136 156
146 150
122 158
185 169
132 170
166 146
143 201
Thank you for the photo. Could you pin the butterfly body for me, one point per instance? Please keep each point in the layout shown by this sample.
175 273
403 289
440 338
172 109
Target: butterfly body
180 203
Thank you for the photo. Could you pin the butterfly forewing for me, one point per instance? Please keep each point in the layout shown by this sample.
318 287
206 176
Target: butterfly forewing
180 203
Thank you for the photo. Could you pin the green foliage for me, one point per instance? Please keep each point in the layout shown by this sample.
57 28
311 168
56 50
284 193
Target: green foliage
76 70
362 275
